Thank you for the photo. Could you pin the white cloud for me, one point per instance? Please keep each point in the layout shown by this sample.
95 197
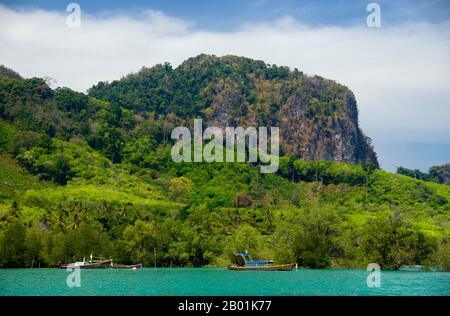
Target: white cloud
400 75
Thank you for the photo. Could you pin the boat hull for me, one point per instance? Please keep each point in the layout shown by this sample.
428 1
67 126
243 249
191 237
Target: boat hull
125 266
276 267
89 265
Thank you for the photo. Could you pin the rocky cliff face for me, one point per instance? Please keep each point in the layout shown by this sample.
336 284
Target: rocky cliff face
446 173
334 137
440 174
318 118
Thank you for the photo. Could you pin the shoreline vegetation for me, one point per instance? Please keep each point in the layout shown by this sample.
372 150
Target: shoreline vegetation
83 174
51 223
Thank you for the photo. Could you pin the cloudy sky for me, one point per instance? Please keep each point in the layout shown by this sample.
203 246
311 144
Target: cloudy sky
400 73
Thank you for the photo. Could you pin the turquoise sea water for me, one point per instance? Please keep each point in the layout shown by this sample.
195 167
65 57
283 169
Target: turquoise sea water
217 281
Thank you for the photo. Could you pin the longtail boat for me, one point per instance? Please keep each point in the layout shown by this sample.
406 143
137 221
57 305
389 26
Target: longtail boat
100 263
243 262
91 264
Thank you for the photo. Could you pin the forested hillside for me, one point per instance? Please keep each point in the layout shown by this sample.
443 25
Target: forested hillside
82 174
319 117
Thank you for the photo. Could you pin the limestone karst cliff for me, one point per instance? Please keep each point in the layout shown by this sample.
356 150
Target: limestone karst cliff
318 118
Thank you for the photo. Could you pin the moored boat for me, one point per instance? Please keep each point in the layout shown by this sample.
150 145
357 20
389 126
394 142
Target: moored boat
99 263
92 264
126 266
273 267
243 262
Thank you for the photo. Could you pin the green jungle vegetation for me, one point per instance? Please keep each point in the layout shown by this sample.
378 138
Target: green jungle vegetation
438 174
82 174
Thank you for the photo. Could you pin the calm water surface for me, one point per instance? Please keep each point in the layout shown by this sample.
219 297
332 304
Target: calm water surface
217 281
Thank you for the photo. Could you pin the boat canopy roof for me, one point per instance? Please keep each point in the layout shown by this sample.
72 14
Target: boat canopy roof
249 260
260 262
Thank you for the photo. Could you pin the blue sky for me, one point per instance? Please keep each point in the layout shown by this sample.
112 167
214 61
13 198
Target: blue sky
400 73
223 15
